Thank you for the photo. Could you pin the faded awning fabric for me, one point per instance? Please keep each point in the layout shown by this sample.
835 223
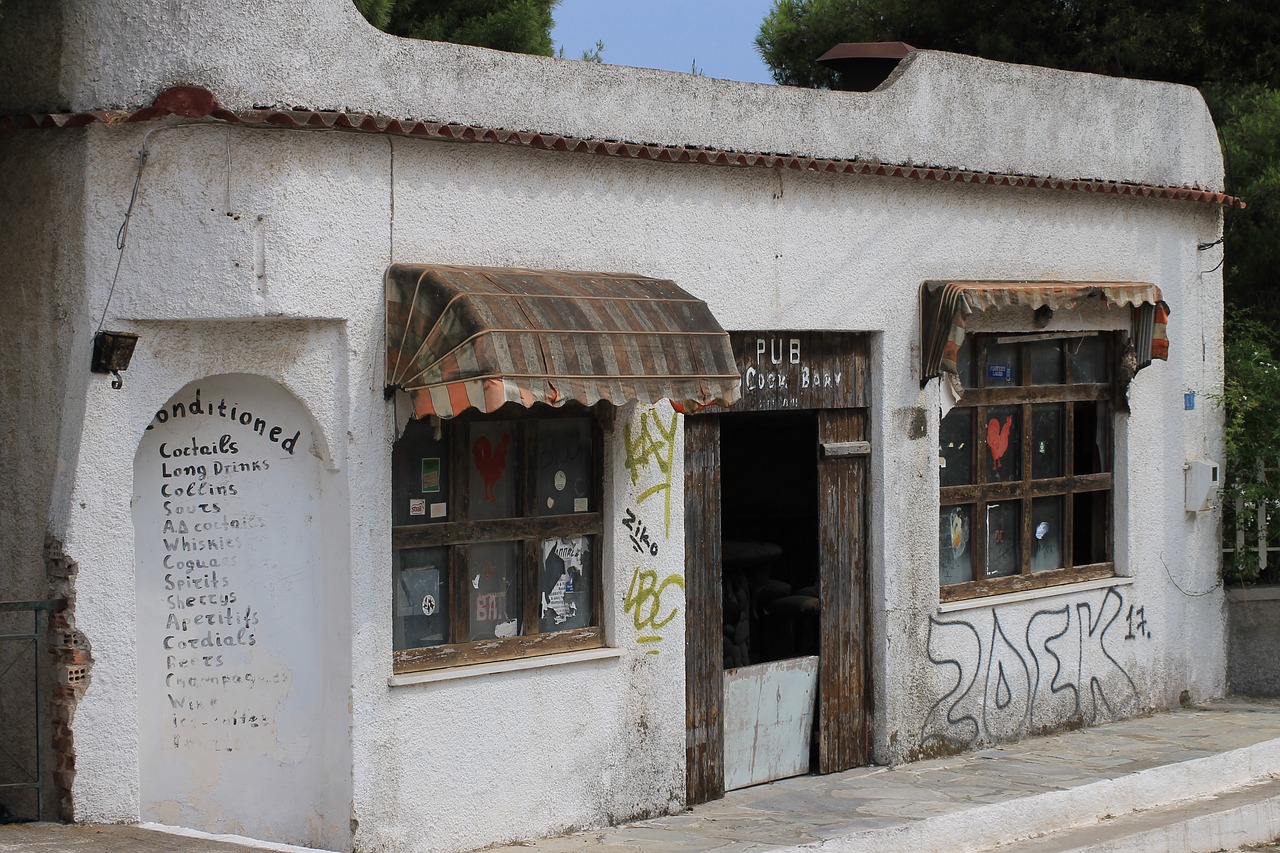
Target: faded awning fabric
462 337
945 308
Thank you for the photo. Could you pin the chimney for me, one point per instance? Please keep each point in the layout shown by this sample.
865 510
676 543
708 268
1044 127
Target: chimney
862 66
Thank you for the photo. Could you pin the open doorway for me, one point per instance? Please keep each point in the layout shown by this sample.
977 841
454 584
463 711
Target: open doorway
775 566
769 536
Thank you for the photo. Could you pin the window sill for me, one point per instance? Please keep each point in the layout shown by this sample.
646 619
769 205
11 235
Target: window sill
1032 594
516 665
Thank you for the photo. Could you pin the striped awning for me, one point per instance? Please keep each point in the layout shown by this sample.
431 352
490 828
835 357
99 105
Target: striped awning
945 307
481 337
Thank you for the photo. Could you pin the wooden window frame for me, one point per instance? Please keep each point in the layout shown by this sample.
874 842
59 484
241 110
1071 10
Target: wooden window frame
527 529
977 494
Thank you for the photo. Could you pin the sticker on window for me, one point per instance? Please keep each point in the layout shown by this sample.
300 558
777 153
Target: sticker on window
417 506
431 475
999 371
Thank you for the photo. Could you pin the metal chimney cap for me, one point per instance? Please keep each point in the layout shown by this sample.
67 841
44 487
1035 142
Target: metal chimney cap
866 50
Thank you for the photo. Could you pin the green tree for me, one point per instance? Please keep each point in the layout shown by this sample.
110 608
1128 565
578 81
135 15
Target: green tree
520 26
1198 42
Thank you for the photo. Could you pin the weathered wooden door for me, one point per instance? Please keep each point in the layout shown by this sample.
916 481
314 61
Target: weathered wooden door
825 373
843 697
704 634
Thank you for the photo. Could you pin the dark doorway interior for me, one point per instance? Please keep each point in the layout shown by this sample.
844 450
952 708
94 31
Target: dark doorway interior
770 545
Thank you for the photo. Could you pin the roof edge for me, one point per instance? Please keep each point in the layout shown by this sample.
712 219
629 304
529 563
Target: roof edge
195 102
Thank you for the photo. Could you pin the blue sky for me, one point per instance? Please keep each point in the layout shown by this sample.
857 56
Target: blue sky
670 34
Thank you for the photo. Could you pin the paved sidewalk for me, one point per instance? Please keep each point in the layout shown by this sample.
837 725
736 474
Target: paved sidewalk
809 809
951 804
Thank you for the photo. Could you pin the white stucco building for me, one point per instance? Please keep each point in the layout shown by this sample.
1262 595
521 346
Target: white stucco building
304 617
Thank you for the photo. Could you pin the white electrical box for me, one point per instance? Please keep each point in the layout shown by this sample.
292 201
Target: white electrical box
1202 484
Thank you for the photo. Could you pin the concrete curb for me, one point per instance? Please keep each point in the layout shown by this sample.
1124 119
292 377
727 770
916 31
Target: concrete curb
988 826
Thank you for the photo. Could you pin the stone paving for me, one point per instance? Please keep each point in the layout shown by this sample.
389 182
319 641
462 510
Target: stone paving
814 808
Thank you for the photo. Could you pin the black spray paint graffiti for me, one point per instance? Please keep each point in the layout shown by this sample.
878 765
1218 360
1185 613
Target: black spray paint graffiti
1056 669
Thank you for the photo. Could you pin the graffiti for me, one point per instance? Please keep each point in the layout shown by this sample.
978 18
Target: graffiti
644 602
640 540
1005 682
654 443
1142 631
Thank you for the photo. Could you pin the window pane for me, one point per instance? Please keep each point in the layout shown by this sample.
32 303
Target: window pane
493 582
964 363
1046 363
1001 366
1046 440
421 598
1089 527
419 476
563 472
1003 535
1091 422
955 448
564 583
493 458
1046 533
1089 359
955 559
1002 444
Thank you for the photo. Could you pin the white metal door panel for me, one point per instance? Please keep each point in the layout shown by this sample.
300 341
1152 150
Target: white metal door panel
768 720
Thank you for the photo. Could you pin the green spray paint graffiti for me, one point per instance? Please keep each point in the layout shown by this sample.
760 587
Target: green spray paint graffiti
644 602
653 444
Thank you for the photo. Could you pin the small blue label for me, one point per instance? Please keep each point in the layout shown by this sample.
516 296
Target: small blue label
1189 400
999 371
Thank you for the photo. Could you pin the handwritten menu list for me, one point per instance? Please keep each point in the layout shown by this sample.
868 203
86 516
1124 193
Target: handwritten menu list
211 559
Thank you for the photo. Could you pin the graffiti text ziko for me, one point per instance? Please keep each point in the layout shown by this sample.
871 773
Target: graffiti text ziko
1014 677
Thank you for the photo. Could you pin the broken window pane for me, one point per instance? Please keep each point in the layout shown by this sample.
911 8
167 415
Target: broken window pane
1089 527
1091 419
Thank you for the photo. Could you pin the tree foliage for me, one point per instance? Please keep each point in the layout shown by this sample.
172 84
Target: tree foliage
520 26
1198 42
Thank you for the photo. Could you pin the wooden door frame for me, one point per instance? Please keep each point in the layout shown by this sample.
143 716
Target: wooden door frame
844 706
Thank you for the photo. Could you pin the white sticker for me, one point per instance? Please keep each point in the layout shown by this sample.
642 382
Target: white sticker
505 629
551 503
942 462
579 504
1042 530
475 582
560 481
417 506
438 510
428 605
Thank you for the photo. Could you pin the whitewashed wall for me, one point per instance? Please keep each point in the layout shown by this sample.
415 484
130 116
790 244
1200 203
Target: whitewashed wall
262 252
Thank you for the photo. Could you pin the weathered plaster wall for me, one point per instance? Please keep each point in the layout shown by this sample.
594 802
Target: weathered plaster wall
262 251
45 350
944 110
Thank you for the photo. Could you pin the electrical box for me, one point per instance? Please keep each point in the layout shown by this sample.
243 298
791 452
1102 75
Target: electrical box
1202 484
